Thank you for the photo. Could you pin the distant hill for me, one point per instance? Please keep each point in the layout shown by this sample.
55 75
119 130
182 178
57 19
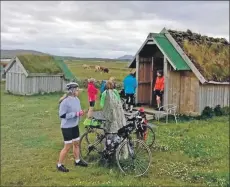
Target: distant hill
126 57
12 53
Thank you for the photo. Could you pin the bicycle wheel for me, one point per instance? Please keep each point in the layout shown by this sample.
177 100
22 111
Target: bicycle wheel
133 157
148 136
91 146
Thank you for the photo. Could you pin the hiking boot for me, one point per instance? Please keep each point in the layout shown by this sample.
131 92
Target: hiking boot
62 168
81 163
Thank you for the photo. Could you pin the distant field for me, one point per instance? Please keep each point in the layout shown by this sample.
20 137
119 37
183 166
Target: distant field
116 69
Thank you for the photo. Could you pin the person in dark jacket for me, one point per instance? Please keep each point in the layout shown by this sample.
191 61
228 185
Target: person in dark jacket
130 85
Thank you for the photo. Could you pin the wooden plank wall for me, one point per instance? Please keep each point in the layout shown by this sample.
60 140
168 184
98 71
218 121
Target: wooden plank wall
173 87
144 80
183 91
45 84
15 80
212 95
189 98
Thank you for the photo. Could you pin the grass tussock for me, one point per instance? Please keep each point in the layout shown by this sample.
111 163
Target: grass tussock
212 59
39 64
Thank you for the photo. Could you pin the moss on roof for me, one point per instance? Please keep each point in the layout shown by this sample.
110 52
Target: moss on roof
209 55
39 64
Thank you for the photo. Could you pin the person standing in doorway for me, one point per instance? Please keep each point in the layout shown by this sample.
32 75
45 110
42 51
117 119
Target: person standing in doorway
130 84
159 88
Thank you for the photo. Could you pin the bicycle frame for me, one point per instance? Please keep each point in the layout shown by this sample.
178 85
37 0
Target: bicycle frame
104 136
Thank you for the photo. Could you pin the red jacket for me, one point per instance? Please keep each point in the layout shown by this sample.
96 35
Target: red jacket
92 92
159 85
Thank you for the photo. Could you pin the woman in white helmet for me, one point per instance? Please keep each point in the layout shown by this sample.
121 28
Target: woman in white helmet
70 112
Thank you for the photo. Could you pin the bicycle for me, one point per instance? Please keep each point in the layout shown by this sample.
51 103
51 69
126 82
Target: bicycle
142 131
121 147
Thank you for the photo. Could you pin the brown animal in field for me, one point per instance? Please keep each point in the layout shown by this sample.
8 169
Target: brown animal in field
104 69
97 68
85 66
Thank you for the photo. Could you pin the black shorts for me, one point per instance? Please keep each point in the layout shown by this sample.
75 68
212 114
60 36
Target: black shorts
130 99
71 134
158 93
92 103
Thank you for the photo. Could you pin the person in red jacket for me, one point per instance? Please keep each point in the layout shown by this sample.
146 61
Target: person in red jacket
92 95
159 87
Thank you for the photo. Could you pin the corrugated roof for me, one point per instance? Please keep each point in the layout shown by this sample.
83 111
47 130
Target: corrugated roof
67 73
171 52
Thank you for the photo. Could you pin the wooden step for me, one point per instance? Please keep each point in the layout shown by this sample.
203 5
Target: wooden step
148 116
154 113
147 110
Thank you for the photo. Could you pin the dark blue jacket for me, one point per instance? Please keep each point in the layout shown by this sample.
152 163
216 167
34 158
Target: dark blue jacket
130 84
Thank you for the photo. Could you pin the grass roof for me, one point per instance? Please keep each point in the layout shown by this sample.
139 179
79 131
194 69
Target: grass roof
39 64
209 55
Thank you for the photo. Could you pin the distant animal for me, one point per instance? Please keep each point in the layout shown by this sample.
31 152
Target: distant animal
106 70
97 68
86 66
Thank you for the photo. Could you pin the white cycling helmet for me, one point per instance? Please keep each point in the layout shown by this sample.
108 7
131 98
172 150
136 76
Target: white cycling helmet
72 85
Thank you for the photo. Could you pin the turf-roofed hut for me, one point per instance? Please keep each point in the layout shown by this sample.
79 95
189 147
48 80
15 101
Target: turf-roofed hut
196 70
32 74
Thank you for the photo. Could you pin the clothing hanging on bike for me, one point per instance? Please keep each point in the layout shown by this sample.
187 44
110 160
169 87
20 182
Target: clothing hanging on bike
112 110
114 114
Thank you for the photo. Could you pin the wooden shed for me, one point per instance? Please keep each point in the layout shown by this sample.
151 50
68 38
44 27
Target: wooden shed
3 64
33 74
196 70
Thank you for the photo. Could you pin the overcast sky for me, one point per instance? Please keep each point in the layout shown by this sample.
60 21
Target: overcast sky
103 29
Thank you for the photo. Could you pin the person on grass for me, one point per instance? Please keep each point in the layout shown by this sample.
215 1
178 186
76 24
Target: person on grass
112 108
130 84
70 112
112 111
103 83
159 88
92 95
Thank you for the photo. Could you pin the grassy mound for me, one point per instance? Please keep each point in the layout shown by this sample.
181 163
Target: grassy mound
39 64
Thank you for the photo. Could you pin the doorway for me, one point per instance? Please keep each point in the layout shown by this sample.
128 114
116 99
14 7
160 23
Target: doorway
158 64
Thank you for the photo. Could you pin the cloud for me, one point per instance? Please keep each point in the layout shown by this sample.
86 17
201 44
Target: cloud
103 29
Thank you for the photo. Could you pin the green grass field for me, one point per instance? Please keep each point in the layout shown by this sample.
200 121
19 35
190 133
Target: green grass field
116 69
194 153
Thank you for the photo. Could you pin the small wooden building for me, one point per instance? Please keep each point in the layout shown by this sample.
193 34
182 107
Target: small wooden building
33 74
196 70
4 62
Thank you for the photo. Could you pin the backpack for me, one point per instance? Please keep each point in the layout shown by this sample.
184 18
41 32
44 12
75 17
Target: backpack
102 89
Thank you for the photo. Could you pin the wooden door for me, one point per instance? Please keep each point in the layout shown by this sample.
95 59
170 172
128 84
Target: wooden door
145 75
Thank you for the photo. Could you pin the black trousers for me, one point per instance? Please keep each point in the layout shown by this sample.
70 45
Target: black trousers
130 99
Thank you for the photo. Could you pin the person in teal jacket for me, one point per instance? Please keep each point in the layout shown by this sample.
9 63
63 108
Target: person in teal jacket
130 85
